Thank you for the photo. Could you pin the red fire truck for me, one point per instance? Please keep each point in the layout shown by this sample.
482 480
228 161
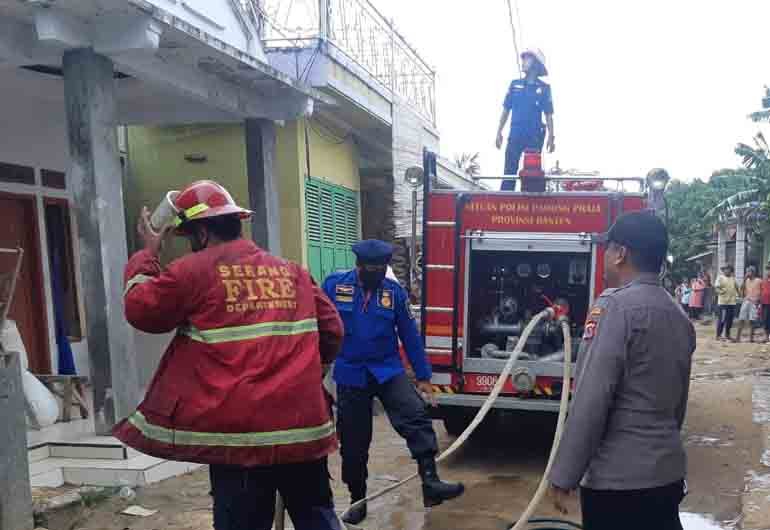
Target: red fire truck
491 261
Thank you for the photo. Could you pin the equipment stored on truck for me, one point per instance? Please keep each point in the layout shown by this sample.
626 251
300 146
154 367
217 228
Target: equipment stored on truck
494 259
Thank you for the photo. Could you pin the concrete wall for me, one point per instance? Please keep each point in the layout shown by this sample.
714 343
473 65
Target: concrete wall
15 496
410 135
41 144
290 165
157 164
333 158
219 18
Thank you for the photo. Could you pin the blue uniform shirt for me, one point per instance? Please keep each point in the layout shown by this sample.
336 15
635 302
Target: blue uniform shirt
372 332
527 103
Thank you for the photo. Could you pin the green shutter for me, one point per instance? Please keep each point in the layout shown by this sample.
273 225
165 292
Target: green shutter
332 226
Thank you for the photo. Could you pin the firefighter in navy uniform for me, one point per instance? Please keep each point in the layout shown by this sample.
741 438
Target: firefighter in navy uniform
527 101
376 313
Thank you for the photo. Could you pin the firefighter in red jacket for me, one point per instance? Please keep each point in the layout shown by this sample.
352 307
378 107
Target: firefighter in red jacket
239 387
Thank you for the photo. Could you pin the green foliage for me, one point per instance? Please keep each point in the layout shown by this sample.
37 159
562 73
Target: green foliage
690 228
729 194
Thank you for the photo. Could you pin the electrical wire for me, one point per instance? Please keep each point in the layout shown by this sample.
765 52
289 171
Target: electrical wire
328 135
280 30
518 21
513 34
303 77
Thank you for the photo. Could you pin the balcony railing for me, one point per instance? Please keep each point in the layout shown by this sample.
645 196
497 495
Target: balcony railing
362 33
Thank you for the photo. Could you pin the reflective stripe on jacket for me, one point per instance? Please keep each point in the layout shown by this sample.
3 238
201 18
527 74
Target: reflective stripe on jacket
241 382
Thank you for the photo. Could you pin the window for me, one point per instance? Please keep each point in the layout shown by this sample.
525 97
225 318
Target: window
17 174
61 256
332 226
53 179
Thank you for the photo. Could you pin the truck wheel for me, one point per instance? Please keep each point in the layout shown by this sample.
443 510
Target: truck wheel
456 422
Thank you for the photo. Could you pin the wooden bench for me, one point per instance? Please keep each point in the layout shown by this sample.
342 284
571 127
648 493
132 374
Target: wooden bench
70 389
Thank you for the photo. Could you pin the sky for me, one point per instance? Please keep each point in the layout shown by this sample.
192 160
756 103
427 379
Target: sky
636 85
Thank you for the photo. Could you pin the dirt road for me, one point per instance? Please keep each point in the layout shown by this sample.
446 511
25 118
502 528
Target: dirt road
501 465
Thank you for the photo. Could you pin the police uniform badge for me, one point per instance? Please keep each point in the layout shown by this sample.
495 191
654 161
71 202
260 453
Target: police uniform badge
386 299
589 331
343 293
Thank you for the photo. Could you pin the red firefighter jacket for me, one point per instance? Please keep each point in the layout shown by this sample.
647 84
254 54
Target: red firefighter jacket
241 382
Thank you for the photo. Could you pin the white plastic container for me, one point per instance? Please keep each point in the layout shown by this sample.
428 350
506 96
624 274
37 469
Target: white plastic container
165 212
43 403
10 338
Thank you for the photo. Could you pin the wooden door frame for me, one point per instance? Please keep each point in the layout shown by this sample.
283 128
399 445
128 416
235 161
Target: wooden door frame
37 254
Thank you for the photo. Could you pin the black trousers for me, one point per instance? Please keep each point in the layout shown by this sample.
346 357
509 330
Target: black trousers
725 320
407 414
648 509
518 141
244 498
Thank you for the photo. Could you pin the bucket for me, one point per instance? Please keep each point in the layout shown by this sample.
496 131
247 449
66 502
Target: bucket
164 213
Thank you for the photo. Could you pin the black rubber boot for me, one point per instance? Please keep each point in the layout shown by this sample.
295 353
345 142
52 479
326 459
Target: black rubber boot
357 514
434 491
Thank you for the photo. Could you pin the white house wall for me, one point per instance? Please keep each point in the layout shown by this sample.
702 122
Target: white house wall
223 20
36 137
410 137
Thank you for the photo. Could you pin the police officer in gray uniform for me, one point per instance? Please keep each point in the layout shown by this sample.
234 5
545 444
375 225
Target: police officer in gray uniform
622 442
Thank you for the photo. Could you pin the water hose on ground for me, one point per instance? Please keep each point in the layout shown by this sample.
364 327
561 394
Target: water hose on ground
481 414
560 422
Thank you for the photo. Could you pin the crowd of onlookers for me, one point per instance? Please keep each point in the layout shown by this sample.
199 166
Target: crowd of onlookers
725 298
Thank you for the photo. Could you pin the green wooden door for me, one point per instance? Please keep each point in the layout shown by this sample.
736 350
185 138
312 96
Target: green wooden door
332 226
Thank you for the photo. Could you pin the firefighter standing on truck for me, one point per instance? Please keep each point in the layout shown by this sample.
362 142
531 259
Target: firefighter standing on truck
376 313
527 101
622 442
239 387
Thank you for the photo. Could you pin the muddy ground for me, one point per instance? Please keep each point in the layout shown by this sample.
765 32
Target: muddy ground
501 464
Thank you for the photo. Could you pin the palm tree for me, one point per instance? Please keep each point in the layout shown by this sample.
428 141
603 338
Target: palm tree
753 204
764 114
469 164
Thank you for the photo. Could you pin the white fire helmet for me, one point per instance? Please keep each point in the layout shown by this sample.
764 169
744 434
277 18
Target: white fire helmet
538 54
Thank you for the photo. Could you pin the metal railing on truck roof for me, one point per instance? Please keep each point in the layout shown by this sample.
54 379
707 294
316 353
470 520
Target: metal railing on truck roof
557 183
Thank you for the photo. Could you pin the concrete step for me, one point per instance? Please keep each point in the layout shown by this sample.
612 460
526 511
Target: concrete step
38 453
137 471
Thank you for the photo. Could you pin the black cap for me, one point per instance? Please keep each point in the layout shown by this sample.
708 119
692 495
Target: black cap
643 232
373 251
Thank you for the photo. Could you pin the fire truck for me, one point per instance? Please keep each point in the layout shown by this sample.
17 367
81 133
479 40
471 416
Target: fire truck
491 260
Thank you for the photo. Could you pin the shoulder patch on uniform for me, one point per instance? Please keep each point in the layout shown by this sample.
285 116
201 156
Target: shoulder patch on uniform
343 293
596 312
386 299
409 311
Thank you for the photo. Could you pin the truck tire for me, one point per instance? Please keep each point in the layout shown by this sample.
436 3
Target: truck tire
455 422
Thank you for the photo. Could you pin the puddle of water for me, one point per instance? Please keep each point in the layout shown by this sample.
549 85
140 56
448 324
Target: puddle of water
694 521
706 441
756 481
761 400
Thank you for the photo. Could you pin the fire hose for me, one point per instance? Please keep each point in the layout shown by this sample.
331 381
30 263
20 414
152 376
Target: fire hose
550 313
